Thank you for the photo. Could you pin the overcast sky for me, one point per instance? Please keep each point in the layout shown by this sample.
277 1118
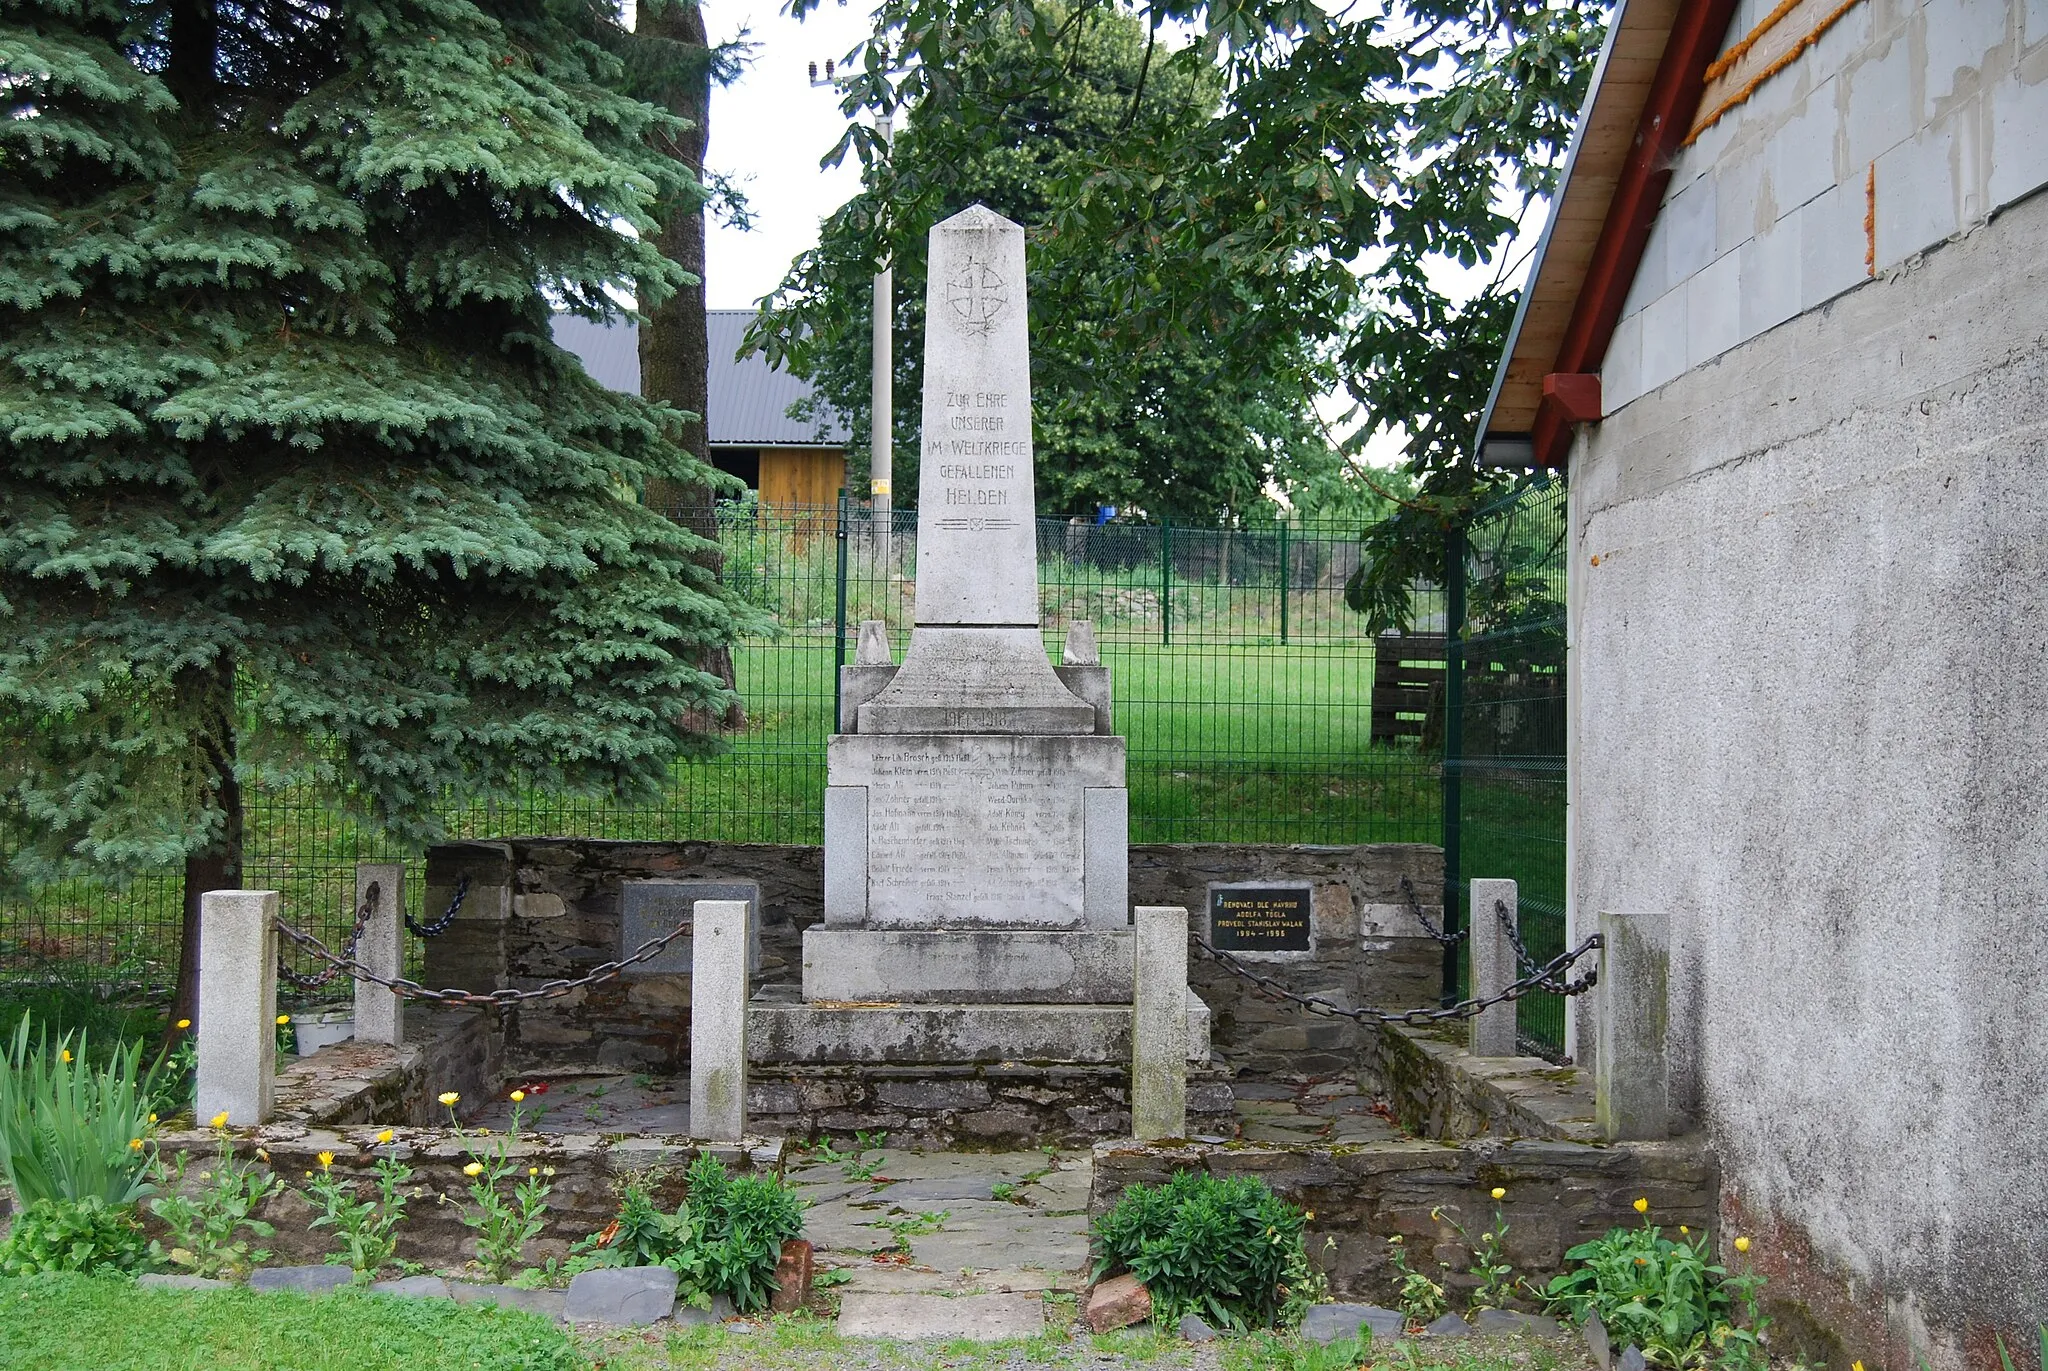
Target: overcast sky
768 130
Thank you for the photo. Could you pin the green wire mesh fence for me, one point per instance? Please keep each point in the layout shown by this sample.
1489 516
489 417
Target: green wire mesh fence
1256 706
1506 798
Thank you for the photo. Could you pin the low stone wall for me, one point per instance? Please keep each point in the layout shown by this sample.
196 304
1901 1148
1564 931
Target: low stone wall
1439 1090
545 908
355 1083
341 1097
588 1171
1558 1194
1006 1107
1366 947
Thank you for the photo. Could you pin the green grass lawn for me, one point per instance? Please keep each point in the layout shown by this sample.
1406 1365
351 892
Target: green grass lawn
77 1323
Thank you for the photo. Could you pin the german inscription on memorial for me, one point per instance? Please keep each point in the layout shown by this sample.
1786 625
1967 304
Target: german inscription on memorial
954 840
1260 918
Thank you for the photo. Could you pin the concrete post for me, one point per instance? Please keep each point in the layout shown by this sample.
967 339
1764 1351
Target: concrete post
1493 967
718 1021
380 1015
1630 1073
237 1005
1159 1024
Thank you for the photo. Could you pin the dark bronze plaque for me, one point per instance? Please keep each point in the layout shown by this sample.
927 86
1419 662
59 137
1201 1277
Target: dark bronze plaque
1259 918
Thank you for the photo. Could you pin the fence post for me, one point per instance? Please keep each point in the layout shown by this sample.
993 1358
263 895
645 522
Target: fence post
1454 745
718 1020
1493 967
237 1005
1159 1024
839 610
1166 582
1285 577
380 1015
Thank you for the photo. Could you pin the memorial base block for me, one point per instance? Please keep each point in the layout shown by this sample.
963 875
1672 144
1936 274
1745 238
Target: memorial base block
780 1030
967 966
963 831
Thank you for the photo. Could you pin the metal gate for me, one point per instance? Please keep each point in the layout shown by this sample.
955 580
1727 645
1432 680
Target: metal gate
1504 728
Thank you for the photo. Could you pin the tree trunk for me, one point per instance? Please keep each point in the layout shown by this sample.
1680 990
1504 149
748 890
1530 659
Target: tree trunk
194 55
206 694
210 695
675 345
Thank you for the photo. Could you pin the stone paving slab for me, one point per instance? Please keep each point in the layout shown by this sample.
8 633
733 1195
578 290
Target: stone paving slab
912 1318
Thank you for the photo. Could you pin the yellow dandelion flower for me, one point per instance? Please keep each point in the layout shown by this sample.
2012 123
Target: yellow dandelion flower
152 1118
184 1024
473 1169
533 1171
326 1160
283 1019
449 1097
220 1120
309 1175
135 1144
64 1055
1742 1244
1683 1229
1642 1206
518 1097
1857 1365
1500 1192
385 1136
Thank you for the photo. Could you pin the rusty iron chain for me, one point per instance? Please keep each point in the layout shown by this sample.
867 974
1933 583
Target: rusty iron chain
317 979
440 925
413 990
1544 978
1415 908
1523 956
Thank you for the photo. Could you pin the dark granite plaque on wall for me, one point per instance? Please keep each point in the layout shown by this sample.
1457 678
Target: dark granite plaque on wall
648 909
1262 917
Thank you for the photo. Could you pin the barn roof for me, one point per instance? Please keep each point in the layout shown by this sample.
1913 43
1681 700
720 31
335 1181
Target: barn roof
1644 95
748 401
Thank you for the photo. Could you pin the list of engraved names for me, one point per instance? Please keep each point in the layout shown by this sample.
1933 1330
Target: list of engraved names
955 839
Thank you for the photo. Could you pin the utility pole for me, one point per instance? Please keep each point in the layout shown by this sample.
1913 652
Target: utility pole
882 375
882 390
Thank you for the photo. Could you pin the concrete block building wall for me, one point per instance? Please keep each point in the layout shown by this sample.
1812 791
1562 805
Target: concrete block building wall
1809 657
1942 105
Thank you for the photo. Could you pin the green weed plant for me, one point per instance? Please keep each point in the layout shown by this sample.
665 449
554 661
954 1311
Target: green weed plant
366 1230
725 1239
506 1218
205 1226
86 1235
1221 1247
1666 1295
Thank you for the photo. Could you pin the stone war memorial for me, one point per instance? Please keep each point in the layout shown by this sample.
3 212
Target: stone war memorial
976 818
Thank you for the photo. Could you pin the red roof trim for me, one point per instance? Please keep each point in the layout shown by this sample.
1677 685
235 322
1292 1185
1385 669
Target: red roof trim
1667 116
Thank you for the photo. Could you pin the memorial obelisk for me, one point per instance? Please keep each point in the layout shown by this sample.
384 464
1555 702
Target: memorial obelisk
977 832
974 789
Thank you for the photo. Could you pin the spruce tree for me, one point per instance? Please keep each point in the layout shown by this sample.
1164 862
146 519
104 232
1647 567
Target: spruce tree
297 488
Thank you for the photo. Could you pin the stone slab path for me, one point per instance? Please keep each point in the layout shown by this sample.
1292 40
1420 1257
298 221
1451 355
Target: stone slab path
899 1222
